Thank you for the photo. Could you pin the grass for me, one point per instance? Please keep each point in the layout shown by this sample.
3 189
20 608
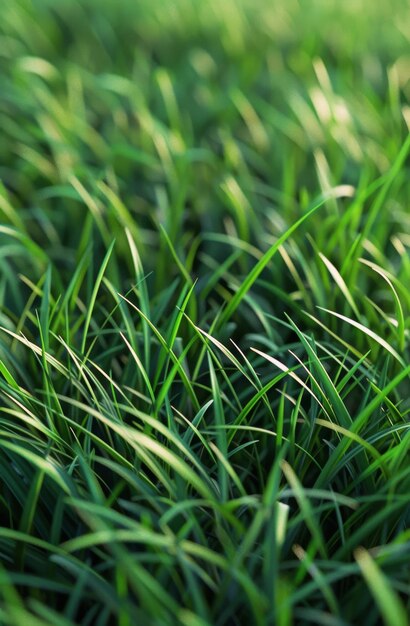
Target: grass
204 311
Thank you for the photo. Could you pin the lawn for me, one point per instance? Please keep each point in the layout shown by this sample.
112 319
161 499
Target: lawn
204 313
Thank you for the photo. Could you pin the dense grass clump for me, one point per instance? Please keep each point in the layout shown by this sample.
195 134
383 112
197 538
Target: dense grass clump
204 312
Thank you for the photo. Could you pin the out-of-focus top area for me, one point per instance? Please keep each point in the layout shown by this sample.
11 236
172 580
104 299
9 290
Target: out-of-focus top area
182 111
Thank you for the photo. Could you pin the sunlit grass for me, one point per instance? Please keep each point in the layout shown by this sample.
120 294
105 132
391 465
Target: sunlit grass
204 313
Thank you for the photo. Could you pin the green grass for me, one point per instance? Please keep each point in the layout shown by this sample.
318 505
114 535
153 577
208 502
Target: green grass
205 313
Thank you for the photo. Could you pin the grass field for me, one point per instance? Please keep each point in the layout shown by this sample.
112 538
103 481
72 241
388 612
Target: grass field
205 313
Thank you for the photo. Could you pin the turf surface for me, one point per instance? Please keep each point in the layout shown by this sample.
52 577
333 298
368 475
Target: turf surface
204 311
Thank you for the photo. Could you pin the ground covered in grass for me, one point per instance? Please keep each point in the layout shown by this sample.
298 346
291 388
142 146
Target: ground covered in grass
204 311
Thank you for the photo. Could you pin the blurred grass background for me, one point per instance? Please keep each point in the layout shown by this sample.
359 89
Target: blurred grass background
190 112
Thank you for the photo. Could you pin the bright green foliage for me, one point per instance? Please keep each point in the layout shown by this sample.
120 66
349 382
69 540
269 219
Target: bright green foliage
204 312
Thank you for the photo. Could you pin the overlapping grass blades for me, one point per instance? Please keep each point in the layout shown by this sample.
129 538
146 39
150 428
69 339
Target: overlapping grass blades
204 312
